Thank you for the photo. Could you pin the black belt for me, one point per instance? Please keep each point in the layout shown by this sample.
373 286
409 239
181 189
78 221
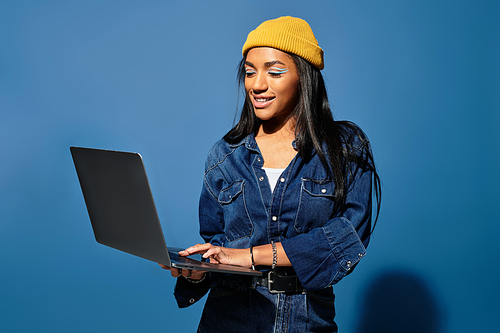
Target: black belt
281 282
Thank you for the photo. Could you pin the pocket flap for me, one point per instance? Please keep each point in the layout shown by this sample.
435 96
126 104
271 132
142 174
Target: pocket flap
322 188
230 193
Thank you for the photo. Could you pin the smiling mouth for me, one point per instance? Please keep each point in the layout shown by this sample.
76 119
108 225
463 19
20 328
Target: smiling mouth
263 100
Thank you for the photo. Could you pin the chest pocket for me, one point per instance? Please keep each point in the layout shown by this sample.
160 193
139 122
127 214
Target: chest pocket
237 223
315 204
230 193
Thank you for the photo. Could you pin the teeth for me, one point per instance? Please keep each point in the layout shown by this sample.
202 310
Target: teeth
261 100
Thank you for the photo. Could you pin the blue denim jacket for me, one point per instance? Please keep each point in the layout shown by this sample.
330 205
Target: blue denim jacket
237 209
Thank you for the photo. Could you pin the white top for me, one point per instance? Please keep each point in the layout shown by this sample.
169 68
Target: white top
273 175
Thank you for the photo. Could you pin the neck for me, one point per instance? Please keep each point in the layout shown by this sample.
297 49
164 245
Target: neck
276 145
282 131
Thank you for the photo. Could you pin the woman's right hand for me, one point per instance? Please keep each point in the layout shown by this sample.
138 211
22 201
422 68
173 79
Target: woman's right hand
187 273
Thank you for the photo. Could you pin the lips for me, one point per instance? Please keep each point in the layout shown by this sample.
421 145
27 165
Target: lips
262 101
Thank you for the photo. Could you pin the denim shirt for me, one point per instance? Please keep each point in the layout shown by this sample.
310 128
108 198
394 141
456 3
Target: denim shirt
237 209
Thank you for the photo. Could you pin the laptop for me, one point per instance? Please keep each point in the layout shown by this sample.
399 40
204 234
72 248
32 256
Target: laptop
122 210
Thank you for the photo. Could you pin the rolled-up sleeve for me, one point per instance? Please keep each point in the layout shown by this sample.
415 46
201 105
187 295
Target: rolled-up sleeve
187 293
324 255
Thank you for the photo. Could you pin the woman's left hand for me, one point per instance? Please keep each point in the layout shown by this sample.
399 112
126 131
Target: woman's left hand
187 273
221 255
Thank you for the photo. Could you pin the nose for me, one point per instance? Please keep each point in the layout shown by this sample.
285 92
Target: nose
259 84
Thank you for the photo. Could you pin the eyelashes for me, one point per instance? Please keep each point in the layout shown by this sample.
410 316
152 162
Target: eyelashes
273 71
277 71
249 71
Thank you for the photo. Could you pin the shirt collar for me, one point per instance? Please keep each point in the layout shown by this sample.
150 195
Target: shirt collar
249 142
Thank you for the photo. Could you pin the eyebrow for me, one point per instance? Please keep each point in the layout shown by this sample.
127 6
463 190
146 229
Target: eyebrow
266 64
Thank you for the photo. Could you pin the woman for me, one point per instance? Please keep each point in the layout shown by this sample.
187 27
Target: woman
288 191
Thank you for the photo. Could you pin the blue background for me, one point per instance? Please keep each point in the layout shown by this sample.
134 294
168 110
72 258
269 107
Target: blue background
420 77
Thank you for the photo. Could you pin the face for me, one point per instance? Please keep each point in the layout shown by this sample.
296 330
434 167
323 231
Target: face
271 81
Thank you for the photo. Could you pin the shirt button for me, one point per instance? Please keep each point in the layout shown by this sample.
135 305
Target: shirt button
261 178
360 255
282 180
323 190
349 263
275 218
192 300
258 159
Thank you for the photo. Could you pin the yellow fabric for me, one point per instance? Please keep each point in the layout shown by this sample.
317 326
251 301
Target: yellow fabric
288 34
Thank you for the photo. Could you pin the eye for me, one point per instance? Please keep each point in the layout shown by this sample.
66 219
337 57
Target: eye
276 71
249 72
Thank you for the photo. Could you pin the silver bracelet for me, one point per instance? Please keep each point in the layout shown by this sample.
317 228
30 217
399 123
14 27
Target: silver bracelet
251 255
196 281
275 255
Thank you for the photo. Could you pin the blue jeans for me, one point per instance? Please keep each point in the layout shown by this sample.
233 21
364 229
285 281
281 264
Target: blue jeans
236 304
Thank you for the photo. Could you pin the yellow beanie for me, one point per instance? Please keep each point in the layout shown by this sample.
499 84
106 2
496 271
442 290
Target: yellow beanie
288 34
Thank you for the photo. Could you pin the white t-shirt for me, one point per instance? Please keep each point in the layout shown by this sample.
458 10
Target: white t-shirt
273 175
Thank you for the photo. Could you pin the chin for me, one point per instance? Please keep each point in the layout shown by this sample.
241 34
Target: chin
263 116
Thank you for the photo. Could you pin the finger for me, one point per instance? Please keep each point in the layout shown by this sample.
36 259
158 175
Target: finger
175 272
198 248
214 260
186 273
197 275
192 249
214 253
164 267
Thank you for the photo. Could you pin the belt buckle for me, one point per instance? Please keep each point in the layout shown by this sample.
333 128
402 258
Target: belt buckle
270 282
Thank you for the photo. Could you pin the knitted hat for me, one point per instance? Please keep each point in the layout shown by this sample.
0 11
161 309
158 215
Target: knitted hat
288 34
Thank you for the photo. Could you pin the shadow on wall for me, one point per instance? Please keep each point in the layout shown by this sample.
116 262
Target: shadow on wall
399 302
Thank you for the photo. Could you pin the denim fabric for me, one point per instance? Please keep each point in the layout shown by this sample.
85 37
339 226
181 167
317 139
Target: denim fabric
237 305
238 209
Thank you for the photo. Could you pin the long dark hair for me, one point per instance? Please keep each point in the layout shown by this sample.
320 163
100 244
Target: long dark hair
339 144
